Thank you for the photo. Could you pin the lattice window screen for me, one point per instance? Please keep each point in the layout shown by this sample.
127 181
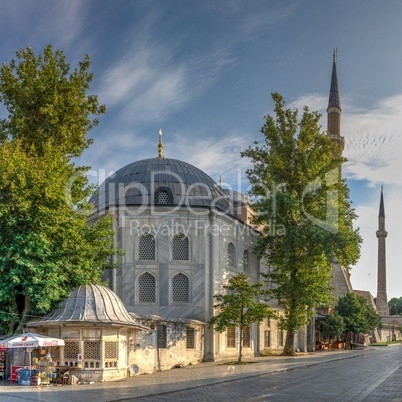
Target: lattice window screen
231 337
111 353
190 338
280 337
246 337
71 349
231 256
180 247
246 262
163 197
267 339
111 348
180 288
147 247
92 350
55 353
146 288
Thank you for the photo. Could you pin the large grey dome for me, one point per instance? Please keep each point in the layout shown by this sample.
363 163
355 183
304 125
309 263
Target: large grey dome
160 181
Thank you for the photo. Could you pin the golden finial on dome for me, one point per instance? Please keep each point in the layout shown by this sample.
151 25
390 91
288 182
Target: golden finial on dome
160 145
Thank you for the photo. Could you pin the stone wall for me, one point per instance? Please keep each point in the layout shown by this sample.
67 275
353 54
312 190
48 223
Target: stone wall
146 357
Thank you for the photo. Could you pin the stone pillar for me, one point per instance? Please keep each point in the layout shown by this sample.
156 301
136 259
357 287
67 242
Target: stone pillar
210 269
311 335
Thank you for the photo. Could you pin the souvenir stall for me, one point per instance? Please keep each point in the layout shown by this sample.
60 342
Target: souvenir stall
3 350
40 370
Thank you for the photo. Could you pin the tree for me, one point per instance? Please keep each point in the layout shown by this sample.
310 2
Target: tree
333 326
303 212
395 306
359 317
239 306
46 246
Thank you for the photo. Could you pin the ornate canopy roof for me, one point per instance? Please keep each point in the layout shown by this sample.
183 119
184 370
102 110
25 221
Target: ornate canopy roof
90 304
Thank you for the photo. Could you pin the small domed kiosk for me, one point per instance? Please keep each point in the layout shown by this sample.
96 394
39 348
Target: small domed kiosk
97 331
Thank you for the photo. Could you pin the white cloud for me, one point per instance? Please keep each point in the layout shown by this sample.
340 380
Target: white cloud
59 23
216 157
147 85
374 142
255 21
316 102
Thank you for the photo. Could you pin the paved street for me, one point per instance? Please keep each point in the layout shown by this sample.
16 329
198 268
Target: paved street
369 375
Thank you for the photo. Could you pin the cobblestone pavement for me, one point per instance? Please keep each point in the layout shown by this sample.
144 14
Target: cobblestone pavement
369 375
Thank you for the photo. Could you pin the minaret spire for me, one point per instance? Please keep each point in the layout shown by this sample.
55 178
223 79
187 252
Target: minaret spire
334 107
381 213
382 300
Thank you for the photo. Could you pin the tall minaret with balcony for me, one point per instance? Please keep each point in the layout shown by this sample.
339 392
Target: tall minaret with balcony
334 108
340 275
382 300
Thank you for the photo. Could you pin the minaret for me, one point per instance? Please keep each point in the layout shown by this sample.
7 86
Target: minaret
382 301
340 275
334 108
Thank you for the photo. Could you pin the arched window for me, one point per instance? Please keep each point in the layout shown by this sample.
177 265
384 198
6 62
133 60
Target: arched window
180 289
231 256
180 247
231 337
146 288
247 337
246 262
146 247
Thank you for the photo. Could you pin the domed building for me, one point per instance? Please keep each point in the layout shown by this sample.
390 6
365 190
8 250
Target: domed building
182 237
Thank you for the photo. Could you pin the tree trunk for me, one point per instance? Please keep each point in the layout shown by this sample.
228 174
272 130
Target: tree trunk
27 307
21 314
13 320
289 349
240 344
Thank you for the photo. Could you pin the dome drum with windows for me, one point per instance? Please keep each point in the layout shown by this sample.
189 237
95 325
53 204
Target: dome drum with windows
160 181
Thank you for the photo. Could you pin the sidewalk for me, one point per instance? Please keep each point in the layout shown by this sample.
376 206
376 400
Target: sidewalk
175 379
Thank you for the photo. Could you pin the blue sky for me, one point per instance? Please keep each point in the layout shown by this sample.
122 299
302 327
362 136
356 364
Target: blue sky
203 71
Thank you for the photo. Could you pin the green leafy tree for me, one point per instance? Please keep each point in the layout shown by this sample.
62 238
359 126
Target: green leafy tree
333 326
395 306
46 246
358 316
303 212
239 305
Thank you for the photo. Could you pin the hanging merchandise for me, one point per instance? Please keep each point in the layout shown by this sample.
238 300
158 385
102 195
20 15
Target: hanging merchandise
42 370
2 365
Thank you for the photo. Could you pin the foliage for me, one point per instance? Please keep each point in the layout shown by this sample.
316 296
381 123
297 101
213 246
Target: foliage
239 306
303 212
46 246
333 326
359 317
395 306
